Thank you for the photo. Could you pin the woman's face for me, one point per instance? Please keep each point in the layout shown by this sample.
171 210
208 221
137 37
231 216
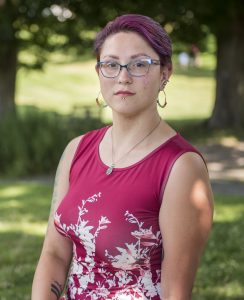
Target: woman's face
127 94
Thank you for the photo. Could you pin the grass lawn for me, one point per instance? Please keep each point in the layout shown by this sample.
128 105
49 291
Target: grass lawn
24 209
61 86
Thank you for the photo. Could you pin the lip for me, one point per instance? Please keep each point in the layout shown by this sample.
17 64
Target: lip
125 93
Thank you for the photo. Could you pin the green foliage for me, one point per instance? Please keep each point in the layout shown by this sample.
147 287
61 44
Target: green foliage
41 26
23 24
34 141
24 210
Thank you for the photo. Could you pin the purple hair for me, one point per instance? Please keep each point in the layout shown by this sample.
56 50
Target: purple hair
147 28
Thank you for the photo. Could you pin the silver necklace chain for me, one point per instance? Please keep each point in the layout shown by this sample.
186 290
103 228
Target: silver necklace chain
110 169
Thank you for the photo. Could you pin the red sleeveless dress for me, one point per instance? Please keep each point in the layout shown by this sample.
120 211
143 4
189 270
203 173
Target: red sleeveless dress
112 221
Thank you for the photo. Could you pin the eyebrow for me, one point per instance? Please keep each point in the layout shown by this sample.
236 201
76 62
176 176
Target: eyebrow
132 57
139 54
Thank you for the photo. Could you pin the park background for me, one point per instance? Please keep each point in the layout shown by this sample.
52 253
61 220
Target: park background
48 87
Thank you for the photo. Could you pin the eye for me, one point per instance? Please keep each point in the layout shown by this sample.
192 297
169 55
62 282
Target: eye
139 64
110 65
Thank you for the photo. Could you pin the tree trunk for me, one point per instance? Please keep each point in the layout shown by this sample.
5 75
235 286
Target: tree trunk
8 69
229 104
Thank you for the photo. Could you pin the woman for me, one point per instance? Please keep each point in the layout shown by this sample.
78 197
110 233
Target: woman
132 205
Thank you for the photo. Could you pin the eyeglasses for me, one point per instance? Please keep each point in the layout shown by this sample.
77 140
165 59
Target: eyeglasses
137 68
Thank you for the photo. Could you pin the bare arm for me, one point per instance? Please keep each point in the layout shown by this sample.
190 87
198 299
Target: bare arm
185 220
53 265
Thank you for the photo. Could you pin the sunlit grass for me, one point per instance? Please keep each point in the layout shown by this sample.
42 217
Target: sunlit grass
227 212
24 227
13 191
189 97
60 87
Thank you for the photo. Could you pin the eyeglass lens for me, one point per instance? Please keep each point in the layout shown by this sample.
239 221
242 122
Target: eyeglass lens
135 68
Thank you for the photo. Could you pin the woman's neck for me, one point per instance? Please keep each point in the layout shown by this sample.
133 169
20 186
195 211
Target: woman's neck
128 130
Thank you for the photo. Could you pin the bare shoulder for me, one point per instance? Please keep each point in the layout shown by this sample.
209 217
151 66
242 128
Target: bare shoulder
66 158
70 149
189 182
75 142
191 161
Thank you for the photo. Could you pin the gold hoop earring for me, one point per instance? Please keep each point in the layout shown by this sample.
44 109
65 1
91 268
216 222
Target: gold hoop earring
100 104
165 101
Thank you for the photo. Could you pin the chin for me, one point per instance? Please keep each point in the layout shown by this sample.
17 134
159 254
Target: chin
128 107
127 112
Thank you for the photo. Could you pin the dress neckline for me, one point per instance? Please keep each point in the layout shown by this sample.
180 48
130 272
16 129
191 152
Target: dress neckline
147 156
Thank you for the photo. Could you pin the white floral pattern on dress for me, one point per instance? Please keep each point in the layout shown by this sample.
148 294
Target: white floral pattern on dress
126 276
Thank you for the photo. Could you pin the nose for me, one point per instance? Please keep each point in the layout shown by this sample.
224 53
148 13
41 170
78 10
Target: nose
124 76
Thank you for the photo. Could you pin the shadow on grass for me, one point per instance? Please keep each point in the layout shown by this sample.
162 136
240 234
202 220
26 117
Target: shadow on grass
24 207
19 255
221 275
198 131
225 162
214 296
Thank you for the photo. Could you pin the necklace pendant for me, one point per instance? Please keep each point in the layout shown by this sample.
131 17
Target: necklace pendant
110 170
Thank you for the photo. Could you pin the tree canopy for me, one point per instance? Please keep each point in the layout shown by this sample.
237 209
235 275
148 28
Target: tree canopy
45 25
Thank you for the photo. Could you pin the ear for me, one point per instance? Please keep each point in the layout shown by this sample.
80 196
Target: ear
165 75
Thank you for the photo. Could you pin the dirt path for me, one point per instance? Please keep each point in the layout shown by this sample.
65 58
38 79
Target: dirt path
226 166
